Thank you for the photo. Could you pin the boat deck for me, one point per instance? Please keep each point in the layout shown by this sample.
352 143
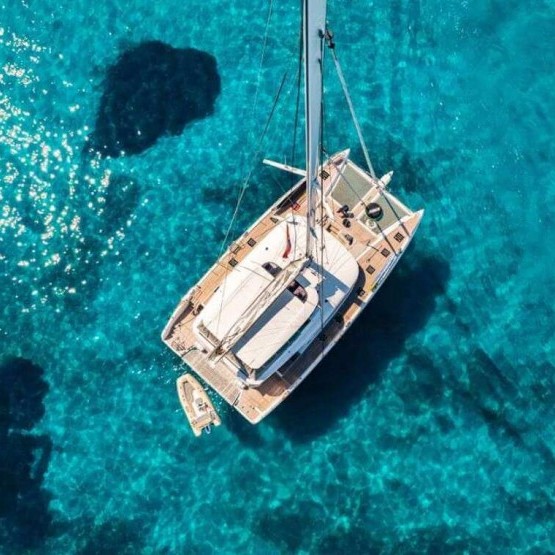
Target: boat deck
376 250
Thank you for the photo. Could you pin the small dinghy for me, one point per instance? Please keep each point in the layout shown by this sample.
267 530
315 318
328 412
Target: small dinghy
197 405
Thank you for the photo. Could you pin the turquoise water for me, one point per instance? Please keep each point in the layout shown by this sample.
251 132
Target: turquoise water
430 428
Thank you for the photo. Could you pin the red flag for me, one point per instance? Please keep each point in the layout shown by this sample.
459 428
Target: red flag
287 250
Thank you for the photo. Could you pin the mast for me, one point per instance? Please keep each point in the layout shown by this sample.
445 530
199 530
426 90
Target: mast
314 25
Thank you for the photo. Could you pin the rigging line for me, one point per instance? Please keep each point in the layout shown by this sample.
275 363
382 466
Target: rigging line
246 181
342 174
262 55
297 102
321 179
252 166
292 204
283 189
380 191
252 109
259 146
331 45
383 195
251 270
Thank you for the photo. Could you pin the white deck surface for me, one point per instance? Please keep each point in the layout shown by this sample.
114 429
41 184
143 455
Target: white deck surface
248 280
262 329
275 328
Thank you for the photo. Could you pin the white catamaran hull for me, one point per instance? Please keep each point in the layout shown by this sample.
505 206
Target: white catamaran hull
376 249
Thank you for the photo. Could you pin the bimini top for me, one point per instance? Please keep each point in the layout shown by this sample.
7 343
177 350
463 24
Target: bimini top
256 330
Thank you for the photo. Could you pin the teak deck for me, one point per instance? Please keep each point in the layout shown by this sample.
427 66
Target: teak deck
376 252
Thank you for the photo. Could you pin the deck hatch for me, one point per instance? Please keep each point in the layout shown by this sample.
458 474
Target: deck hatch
385 252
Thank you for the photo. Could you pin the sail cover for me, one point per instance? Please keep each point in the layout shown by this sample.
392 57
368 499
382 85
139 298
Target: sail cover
251 314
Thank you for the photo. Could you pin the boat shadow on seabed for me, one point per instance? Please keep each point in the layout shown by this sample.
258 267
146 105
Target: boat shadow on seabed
25 518
401 308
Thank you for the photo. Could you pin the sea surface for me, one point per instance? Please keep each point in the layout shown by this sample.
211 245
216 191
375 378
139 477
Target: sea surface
126 131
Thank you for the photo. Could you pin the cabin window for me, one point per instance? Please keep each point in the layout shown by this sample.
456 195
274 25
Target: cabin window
272 268
298 290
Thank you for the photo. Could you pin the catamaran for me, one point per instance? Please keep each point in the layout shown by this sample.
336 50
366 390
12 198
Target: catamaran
284 292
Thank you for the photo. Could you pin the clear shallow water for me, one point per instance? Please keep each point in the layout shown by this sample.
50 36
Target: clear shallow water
429 428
